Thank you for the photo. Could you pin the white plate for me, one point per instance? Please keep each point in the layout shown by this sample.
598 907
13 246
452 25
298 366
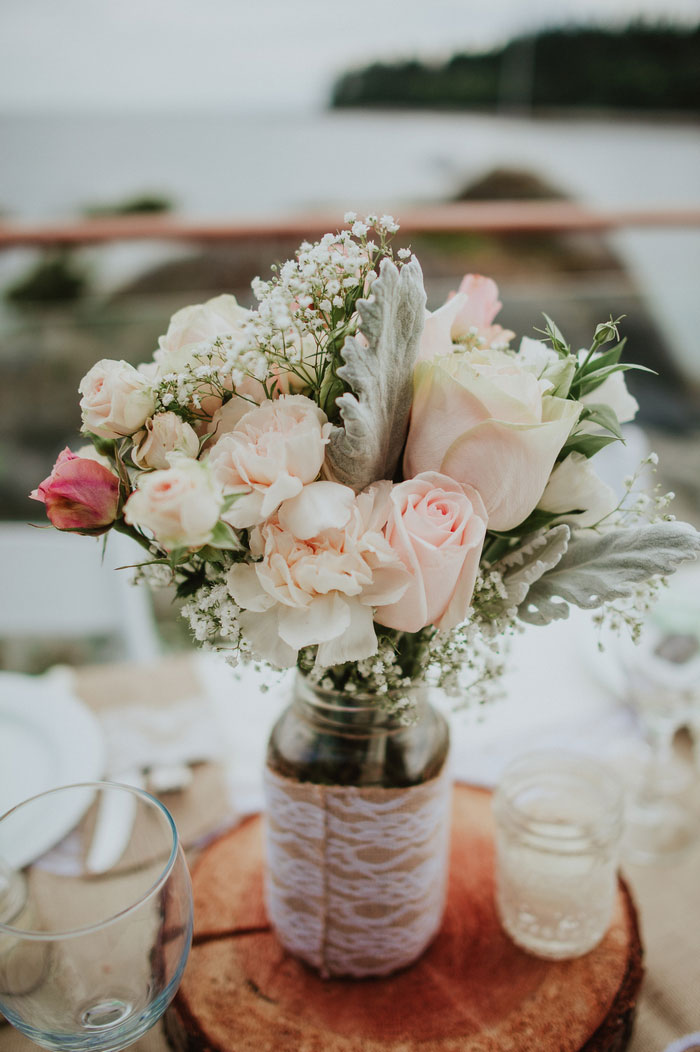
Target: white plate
48 738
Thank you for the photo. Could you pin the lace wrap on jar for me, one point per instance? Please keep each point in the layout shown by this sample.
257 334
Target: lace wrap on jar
356 866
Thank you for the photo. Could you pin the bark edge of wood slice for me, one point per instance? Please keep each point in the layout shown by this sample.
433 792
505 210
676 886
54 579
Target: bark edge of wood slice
473 990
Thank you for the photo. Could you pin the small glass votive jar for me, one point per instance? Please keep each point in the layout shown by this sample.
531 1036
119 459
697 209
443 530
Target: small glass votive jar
558 826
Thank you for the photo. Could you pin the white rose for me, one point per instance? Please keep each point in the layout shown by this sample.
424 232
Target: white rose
117 399
270 454
164 433
180 505
576 494
195 325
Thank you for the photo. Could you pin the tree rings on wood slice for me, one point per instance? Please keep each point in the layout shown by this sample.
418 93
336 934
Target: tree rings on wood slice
473 990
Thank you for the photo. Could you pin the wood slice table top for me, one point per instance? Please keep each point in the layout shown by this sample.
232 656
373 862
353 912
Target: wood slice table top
472 991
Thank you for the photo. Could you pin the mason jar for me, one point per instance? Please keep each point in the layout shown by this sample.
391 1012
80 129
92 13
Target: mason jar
358 817
558 826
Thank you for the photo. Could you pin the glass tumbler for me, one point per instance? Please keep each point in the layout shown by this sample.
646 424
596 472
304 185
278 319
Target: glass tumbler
95 938
558 827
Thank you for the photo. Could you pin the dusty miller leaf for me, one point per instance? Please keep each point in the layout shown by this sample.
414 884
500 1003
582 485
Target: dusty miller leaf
522 567
600 567
375 414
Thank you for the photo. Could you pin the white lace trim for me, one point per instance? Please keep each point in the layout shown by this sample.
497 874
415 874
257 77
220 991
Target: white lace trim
356 878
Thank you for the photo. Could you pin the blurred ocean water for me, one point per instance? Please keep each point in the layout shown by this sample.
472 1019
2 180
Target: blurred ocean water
237 165
232 164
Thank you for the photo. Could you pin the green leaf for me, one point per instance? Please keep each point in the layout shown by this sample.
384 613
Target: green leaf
601 567
104 446
561 376
229 500
594 380
601 361
604 416
177 556
589 445
224 536
556 336
380 376
191 584
536 520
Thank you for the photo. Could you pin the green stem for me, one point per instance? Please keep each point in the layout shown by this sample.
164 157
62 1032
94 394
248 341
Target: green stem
130 531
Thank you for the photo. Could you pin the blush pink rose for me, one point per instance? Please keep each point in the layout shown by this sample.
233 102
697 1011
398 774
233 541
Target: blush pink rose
437 528
467 315
80 494
270 454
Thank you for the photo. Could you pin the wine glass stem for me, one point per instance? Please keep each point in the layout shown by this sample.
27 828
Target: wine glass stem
660 740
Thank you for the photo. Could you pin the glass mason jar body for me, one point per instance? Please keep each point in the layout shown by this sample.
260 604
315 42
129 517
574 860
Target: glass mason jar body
558 825
358 811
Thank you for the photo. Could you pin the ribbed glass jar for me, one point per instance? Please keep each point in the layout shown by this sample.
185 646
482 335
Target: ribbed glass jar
558 825
358 812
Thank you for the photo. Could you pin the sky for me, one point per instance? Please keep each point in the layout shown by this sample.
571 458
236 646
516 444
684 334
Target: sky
250 54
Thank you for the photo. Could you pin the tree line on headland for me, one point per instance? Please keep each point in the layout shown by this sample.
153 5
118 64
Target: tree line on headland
641 67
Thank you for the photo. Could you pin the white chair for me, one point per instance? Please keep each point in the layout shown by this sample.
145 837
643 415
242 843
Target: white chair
57 586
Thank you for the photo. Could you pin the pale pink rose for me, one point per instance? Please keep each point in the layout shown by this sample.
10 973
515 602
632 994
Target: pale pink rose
319 590
437 528
80 494
117 399
188 343
467 315
163 434
179 506
272 452
485 420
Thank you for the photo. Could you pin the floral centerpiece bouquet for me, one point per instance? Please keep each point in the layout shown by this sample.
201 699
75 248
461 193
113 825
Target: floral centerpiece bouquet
342 482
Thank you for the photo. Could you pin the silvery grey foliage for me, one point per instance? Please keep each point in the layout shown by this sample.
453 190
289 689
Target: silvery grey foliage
375 415
598 568
521 568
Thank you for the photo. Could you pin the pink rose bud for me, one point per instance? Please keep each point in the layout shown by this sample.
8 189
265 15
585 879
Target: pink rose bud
80 494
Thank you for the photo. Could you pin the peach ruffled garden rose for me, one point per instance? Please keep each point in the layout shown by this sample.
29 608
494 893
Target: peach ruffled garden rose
269 455
319 589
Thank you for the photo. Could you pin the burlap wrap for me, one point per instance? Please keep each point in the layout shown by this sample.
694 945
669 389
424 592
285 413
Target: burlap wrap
356 878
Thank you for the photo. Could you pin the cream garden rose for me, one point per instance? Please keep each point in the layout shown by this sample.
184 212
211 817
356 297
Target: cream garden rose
486 421
180 505
319 589
270 454
198 324
163 434
437 528
116 399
